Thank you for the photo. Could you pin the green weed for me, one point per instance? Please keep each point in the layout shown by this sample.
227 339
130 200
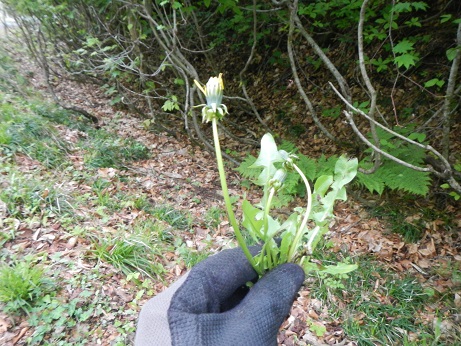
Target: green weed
8 226
153 231
108 150
128 255
379 308
61 116
190 256
24 197
10 78
174 217
56 321
22 132
22 284
213 217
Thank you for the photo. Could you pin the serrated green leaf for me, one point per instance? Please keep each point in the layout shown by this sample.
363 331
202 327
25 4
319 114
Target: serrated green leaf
91 41
245 168
414 21
445 18
371 182
402 7
398 177
177 5
416 136
287 239
403 46
317 232
178 81
434 81
273 227
318 328
406 60
420 5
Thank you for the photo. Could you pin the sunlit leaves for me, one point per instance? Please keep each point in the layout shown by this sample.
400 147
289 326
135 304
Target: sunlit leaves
405 54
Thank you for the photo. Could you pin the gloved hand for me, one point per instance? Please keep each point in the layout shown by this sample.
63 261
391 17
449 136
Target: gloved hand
210 305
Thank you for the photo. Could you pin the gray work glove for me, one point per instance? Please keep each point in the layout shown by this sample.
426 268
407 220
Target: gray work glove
210 306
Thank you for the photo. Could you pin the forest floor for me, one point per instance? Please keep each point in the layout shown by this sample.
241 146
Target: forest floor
113 213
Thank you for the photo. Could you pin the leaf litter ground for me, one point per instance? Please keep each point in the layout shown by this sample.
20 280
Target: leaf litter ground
182 175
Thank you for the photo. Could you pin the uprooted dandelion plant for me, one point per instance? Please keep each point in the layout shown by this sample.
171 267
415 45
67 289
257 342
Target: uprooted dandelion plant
295 239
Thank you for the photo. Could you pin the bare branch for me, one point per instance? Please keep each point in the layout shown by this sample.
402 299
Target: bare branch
242 72
370 88
331 67
446 117
304 96
385 128
350 119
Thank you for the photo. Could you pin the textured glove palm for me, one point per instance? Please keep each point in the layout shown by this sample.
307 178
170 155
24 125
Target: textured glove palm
208 306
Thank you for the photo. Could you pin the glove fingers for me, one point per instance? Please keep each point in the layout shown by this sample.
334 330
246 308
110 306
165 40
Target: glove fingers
213 281
271 298
257 319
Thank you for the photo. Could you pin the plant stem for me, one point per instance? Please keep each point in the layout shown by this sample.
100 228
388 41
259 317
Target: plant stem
267 208
299 233
230 212
266 250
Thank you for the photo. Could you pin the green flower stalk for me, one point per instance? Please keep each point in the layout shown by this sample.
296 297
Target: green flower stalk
280 242
214 111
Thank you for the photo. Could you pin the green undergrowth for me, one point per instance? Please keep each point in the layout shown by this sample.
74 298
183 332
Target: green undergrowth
390 176
23 283
105 149
411 221
22 131
123 239
376 306
51 187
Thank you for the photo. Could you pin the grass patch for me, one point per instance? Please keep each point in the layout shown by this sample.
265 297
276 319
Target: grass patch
177 219
191 257
214 216
23 284
24 132
129 255
11 79
57 115
396 219
24 196
81 320
104 149
74 304
375 306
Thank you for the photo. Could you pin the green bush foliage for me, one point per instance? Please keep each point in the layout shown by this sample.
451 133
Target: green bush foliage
392 175
293 184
